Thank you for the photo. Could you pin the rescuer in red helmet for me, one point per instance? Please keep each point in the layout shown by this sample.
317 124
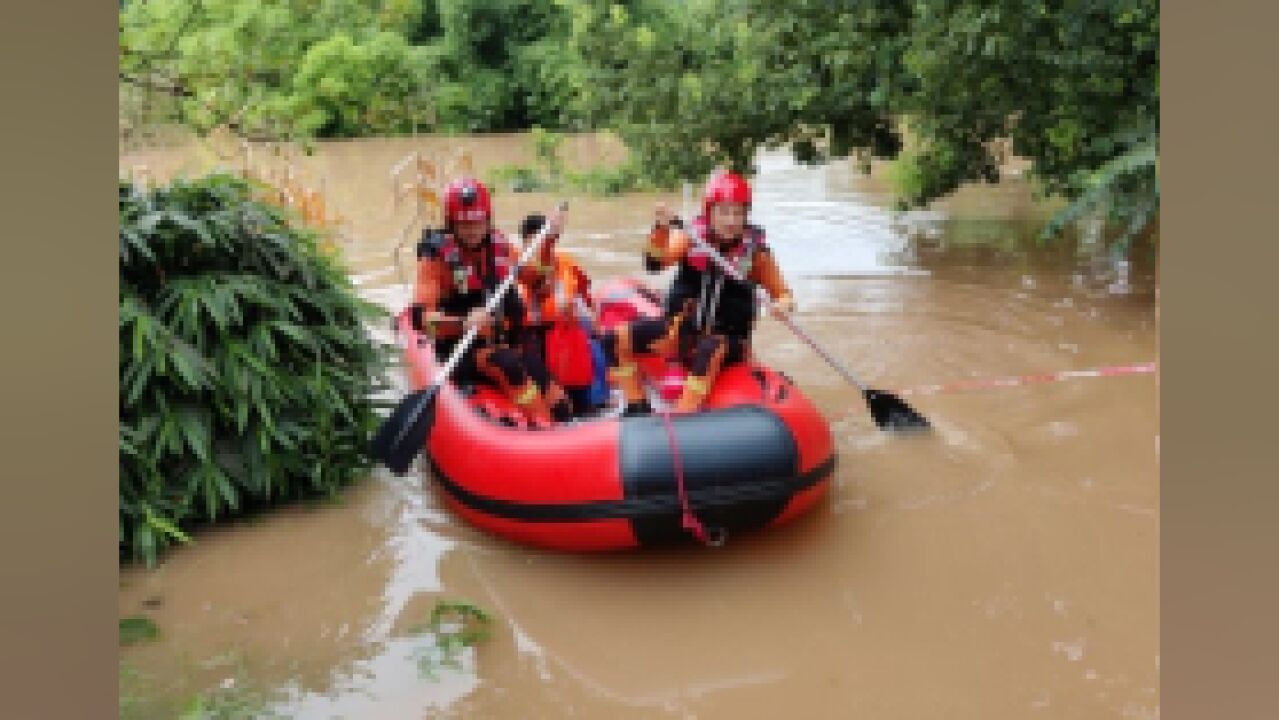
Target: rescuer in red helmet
459 267
709 315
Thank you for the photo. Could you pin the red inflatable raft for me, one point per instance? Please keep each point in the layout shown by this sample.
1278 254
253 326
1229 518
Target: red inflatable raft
759 454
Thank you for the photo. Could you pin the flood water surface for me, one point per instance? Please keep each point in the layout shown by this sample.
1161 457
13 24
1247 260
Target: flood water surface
1004 565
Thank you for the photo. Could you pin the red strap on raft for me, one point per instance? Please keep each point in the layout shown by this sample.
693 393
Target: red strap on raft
688 520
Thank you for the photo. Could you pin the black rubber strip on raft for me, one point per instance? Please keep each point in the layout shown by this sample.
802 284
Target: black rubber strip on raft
719 451
638 508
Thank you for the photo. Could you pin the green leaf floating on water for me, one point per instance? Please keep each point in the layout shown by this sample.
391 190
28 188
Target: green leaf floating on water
455 626
137 629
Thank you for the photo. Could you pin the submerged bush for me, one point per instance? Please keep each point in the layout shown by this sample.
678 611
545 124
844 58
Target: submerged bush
246 367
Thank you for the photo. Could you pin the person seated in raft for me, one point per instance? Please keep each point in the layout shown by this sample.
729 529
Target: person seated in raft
556 296
709 316
459 267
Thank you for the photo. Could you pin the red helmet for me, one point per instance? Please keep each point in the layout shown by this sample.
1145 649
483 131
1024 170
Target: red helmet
725 187
466 199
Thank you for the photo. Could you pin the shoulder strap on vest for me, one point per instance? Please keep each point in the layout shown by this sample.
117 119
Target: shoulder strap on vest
500 248
431 244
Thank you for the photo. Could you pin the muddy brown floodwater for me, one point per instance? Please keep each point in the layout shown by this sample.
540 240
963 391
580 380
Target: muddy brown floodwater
1004 566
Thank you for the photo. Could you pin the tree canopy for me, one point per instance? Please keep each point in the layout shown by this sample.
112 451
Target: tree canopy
345 68
934 84
942 87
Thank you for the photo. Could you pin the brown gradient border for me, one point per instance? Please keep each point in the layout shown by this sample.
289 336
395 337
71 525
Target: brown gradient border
59 411
1218 355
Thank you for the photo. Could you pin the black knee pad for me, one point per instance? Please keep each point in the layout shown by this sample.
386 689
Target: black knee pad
508 361
580 397
562 411
706 349
536 369
646 332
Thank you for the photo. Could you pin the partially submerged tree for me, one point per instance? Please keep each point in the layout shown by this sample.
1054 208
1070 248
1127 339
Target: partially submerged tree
1072 83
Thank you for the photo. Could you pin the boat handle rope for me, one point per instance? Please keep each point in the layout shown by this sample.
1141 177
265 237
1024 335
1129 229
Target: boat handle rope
712 537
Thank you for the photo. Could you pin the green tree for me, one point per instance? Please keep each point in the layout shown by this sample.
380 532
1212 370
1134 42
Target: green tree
345 89
502 66
692 86
1072 83
240 62
301 68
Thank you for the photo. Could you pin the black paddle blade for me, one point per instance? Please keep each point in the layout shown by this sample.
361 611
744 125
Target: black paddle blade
892 413
403 433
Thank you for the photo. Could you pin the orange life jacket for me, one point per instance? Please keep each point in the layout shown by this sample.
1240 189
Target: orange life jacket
466 284
556 299
553 306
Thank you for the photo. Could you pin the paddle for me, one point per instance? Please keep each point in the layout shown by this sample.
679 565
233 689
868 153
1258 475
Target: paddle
888 410
403 434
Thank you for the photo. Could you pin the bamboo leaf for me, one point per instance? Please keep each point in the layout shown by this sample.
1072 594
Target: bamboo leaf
218 372
164 526
196 431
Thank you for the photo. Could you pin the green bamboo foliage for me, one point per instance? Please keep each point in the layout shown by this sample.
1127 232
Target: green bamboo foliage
246 367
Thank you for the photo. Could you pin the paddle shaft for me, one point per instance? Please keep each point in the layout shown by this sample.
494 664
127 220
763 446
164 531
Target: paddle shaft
772 307
472 332
799 332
